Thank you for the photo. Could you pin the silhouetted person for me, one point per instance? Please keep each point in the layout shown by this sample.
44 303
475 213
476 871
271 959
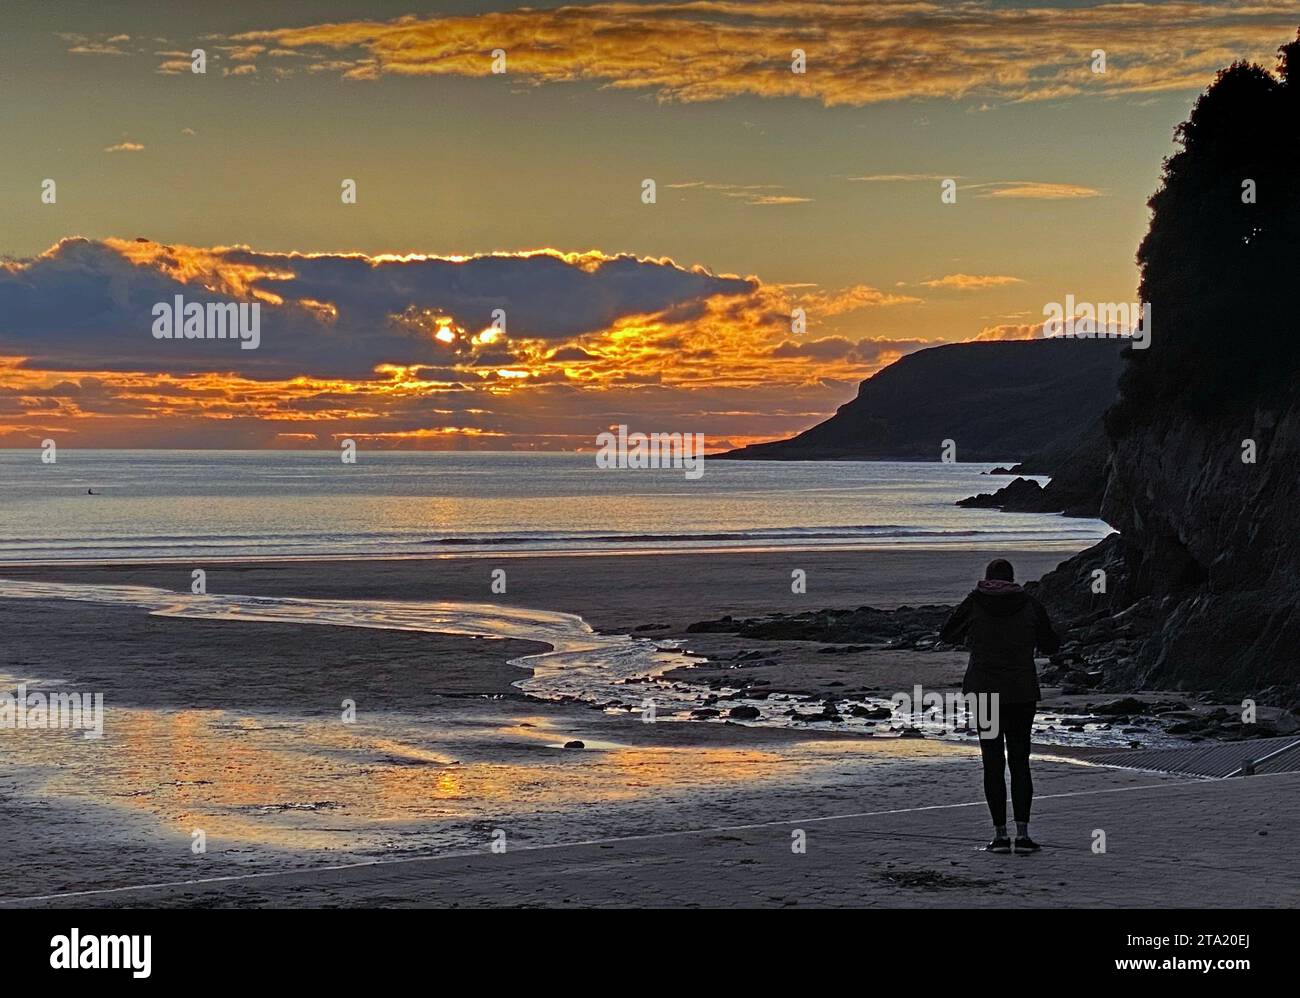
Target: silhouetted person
1002 624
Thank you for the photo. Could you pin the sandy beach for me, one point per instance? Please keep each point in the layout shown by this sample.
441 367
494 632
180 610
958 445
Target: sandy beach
234 729
609 592
1170 852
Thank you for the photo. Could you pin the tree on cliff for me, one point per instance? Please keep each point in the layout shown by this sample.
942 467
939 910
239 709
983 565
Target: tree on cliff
1221 259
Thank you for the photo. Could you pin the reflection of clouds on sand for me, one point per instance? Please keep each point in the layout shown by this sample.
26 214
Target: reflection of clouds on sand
389 785
391 781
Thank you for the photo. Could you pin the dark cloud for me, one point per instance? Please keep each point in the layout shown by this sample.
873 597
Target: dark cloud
87 305
570 353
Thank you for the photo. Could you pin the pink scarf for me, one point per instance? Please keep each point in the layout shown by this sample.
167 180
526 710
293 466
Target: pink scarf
997 586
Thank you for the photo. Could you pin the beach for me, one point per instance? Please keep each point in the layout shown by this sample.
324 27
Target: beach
235 729
1172 853
609 592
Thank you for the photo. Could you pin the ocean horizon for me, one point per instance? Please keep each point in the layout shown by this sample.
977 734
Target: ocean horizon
202 504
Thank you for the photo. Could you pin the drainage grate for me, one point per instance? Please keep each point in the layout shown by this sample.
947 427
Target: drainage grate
1269 755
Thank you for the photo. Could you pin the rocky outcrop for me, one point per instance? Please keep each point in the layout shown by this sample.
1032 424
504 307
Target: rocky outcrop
1023 495
865 627
1079 469
1205 568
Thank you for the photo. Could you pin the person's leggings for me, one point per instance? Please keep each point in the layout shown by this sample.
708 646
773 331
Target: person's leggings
1016 721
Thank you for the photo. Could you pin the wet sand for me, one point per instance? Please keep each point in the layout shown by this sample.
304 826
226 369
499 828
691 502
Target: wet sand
1167 846
235 729
615 592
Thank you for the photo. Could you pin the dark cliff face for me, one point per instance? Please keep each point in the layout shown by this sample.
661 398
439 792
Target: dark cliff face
995 400
1214 542
1205 569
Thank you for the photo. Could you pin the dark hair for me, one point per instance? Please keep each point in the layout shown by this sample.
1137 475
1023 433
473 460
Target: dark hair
1000 568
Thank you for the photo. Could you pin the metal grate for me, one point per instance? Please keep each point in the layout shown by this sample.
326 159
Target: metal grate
1269 755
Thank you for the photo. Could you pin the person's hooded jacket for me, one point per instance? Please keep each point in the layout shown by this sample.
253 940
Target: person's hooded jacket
1001 624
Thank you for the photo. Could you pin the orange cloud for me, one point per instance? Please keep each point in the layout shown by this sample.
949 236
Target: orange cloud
857 51
751 194
1035 190
894 178
1012 331
852 299
767 200
971 282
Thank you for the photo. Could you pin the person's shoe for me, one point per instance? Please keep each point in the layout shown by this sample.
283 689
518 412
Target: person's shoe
1000 843
1026 845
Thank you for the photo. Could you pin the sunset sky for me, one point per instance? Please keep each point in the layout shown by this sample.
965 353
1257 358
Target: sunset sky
522 191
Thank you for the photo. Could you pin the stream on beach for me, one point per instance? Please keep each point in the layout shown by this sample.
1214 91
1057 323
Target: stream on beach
275 789
622 672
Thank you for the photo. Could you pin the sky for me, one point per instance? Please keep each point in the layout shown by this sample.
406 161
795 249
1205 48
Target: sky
501 280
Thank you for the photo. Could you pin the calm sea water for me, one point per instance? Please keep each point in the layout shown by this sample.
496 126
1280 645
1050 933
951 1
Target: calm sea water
240 504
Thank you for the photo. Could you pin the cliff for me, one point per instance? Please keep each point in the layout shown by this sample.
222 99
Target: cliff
995 400
1203 475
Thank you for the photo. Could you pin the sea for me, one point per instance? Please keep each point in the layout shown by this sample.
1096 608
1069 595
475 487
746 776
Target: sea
153 505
